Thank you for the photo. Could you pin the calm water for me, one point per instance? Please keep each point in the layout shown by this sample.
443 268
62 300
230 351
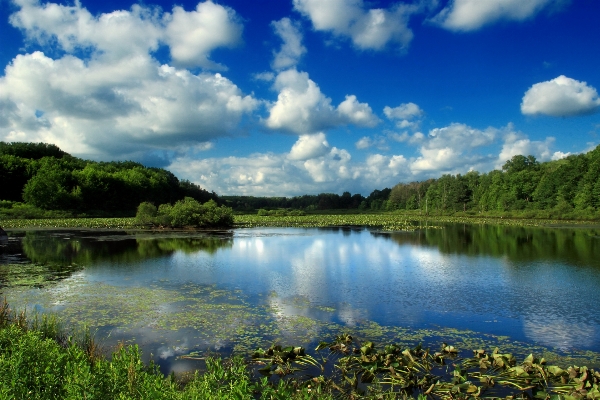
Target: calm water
177 294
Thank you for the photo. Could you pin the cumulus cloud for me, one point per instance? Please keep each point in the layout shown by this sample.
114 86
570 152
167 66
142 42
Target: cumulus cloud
406 115
313 165
321 168
516 143
302 108
292 49
469 15
370 29
115 34
444 148
191 36
366 142
417 137
119 101
559 155
69 102
357 113
560 97
309 146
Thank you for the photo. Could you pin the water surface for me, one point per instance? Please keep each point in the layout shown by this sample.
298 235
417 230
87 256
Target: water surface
180 293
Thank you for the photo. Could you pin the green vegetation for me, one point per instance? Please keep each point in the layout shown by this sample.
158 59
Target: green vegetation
566 189
390 221
41 181
186 212
562 189
39 360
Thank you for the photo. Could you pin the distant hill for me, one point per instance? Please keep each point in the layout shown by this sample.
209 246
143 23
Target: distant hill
45 177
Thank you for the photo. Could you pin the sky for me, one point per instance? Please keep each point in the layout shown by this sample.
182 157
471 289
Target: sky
292 97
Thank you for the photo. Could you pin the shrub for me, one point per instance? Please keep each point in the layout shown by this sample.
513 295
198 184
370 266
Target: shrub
146 213
189 212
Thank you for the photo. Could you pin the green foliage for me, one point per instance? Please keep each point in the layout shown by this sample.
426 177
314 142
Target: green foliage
38 361
146 213
33 151
47 178
189 212
322 201
566 189
50 187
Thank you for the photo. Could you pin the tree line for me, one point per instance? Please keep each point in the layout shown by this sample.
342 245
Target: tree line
41 176
322 201
566 188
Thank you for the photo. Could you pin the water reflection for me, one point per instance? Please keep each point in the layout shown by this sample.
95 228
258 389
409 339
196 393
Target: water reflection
88 248
580 246
176 294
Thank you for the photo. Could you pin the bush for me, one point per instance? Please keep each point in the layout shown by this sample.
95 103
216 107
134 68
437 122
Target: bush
186 212
146 213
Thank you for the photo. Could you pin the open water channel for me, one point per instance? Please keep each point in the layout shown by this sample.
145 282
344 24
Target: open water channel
180 294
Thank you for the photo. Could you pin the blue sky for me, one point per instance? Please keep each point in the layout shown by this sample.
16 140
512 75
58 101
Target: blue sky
290 97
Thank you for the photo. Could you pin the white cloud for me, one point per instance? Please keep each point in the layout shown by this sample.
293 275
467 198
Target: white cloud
86 108
366 142
292 49
264 76
314 166
192 35
406 115
469 15
560 97
119 101
449 148
302 108
403 111
416 138
369 29
309 146
357 113
116 34
330 169
559 155
516 143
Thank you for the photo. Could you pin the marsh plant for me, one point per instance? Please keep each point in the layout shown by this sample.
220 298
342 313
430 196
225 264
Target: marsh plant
38 360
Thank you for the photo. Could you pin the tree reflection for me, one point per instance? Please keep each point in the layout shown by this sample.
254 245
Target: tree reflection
56 255
576 245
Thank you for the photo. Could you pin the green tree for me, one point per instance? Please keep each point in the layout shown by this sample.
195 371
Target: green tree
51 187
146 213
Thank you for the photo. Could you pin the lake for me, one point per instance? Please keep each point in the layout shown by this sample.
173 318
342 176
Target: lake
180 294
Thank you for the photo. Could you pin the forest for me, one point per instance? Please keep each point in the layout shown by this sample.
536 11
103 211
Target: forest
568 188
40 179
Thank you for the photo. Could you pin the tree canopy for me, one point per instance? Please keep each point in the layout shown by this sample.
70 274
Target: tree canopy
43 176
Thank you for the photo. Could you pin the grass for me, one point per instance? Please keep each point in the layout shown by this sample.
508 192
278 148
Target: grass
38 360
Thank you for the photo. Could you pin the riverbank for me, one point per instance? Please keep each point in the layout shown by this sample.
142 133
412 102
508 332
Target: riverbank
386 221
39 359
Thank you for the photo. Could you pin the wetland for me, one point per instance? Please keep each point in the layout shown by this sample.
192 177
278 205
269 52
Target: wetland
181 295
